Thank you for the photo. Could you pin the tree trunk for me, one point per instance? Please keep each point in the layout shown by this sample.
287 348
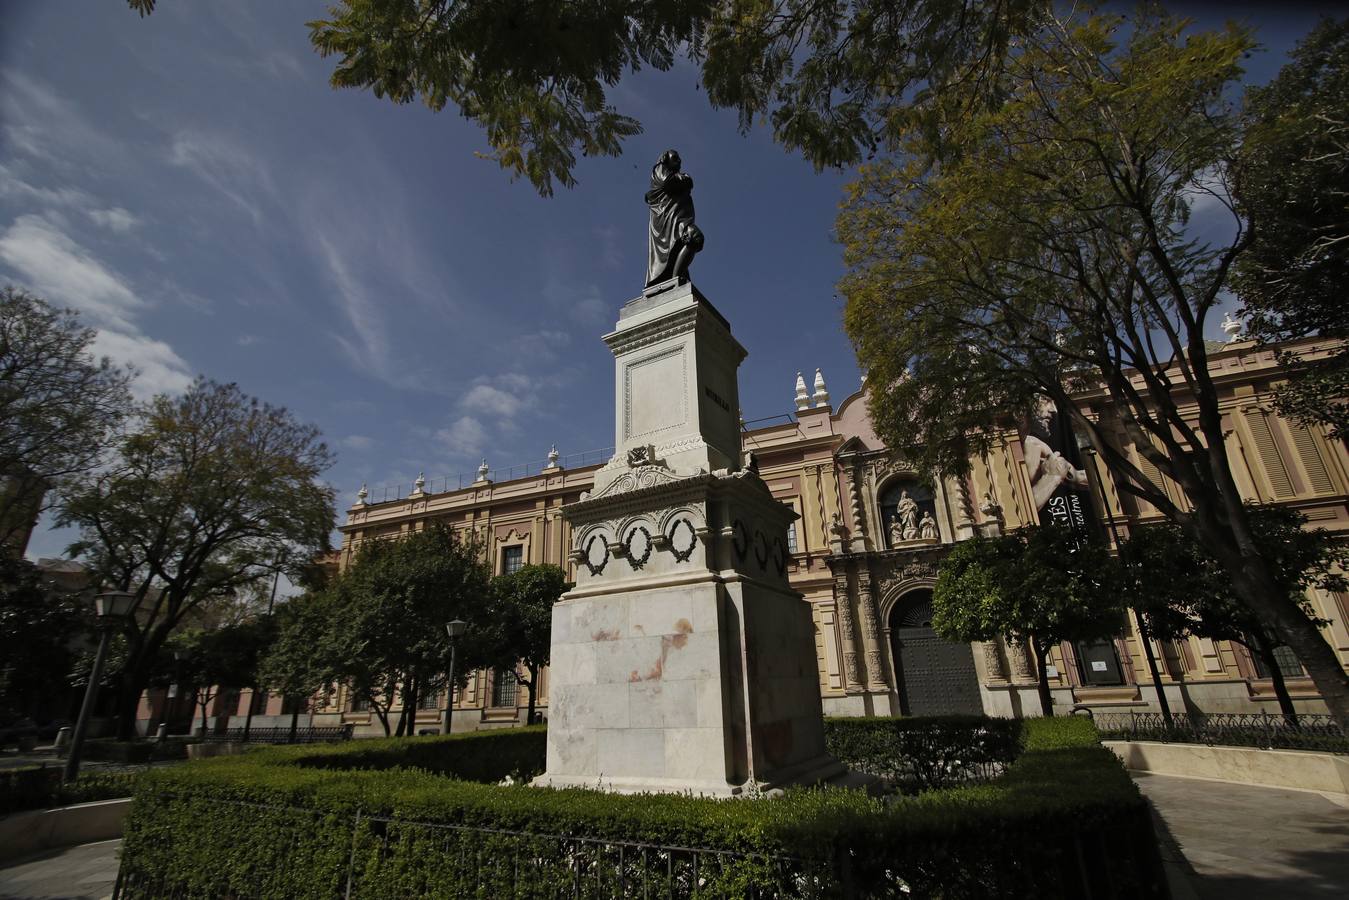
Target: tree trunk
294 720
248 717
529 686
1266 650
1223 528
382 714
1145 637
410 706
1299 633
1042 677
203 703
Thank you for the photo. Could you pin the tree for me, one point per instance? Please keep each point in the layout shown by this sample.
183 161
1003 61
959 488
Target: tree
298 661
1294 190
41 627
516 626
833 79
211 491
1181 590
1038 585
215 659
59 406
1039 249
386 616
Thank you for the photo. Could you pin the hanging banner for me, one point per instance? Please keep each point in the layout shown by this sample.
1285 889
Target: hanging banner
1058 480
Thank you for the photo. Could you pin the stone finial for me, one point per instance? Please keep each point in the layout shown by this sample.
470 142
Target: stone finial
419 486
821 397
552 457
864 378
802 398
361 495
482 472
1232 327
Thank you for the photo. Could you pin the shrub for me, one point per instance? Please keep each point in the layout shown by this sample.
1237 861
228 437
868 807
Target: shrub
920 753
41 788
376 821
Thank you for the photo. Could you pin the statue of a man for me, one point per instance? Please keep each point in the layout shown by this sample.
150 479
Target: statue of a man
928 527
908 515
673 239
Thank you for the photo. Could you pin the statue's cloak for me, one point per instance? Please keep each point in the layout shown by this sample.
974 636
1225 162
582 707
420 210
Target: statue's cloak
671 203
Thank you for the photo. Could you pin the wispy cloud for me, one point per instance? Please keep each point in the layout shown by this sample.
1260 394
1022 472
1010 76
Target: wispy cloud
159 370
115 219
357 442
61 270
38 122
231 170
466 436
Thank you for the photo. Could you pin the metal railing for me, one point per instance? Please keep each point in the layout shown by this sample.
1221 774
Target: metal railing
281 734
444 484
494 862
1309 731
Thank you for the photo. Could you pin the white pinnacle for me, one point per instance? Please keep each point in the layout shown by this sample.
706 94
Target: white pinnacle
802 398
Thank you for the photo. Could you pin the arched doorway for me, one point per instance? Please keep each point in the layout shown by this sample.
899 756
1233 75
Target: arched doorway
935 677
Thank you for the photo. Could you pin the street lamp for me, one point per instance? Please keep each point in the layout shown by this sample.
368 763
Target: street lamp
111 608
455 628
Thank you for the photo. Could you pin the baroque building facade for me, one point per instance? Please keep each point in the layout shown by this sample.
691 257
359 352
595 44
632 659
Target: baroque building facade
865 549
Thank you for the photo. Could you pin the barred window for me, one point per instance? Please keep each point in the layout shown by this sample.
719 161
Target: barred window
504 687
429 700
512 558
360 703
1289 666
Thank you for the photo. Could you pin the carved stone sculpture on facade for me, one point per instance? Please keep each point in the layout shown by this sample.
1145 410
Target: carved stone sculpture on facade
672 239
896 532
928 527
908 516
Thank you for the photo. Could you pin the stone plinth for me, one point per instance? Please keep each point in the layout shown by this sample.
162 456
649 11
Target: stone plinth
675 388
682 660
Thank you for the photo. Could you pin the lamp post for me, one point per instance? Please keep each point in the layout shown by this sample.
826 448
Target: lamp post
110 608
455 629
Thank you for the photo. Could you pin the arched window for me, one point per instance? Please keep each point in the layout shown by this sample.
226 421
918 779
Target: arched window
890 498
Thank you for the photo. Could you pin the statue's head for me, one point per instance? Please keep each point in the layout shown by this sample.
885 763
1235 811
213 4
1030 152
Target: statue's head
670 159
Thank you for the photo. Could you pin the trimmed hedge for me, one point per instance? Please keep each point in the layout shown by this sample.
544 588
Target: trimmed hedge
922 752
373 820
41 788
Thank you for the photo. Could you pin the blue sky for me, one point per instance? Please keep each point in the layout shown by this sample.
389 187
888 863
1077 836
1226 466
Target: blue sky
191 183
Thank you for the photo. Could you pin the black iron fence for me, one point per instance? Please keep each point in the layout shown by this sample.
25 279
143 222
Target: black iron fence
1264 730
477 861
310 734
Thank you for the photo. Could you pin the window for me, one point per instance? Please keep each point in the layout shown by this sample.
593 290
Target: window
292 705
258 703
429 700
791 538
360 703
504 687
512 558
1285 657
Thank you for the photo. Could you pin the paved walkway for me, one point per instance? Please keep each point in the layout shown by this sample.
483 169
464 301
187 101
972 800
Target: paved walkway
87 872
1245 842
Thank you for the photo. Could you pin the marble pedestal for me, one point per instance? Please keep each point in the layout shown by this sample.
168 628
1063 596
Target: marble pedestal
682 660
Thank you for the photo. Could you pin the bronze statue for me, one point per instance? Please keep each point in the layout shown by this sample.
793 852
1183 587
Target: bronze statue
673 238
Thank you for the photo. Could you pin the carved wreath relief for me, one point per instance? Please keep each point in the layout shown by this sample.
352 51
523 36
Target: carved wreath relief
589 555
683 554
638 546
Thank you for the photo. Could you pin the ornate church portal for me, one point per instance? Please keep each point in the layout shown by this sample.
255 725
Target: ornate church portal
934 676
